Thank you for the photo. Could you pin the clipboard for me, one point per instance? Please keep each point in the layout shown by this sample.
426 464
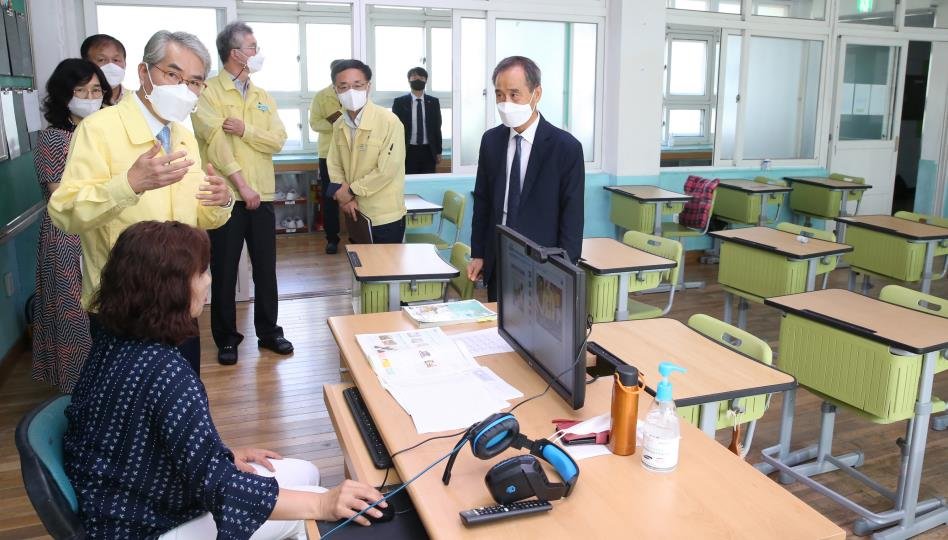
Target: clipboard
360 230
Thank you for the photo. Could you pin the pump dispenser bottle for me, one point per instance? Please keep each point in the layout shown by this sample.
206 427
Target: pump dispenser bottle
661 431
625 410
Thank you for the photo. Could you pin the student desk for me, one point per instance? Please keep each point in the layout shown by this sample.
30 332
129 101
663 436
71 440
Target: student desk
639 208
823 197
608 258
893 247
712 494
745 201
765 262
715 373
831 340
400 266
420 212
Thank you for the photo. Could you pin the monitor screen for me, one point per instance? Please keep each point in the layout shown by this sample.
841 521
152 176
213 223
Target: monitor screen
542 311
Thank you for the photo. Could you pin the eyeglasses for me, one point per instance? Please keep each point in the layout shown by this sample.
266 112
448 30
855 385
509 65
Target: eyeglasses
346 87
254 48
176 78
83 93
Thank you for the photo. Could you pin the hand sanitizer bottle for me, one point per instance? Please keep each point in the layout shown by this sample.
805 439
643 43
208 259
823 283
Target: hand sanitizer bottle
661 432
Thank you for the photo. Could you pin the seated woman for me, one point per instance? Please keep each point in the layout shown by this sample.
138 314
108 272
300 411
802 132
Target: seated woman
141 448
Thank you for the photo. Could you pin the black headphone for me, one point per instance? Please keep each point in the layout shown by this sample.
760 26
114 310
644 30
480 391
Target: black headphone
519 477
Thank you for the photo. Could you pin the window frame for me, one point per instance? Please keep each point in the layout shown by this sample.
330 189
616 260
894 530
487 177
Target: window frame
705 102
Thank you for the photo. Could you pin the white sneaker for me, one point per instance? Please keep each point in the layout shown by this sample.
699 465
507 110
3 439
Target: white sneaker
287 223
299 223
279 196
291 195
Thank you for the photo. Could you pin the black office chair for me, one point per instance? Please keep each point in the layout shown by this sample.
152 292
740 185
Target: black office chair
39 441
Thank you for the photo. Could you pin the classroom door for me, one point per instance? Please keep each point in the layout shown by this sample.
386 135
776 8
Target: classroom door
867 116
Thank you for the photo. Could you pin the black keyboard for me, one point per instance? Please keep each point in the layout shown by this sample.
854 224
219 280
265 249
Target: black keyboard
370 434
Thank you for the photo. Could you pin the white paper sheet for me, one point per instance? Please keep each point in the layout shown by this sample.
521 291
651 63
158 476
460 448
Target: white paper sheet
448 404
497 386
483 342
586 451
31 106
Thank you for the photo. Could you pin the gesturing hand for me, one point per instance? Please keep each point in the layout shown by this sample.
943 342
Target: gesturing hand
214 192
243 457
151 171
347 499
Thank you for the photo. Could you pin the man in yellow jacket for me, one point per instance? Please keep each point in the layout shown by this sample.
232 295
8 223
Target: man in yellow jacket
323 112
367 156
237 126
135 162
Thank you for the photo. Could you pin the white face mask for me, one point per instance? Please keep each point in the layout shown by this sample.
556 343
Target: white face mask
255 63
353 99
114 74
514 114
173 102
84 107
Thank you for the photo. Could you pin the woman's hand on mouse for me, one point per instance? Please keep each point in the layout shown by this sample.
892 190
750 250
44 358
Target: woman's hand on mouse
347 499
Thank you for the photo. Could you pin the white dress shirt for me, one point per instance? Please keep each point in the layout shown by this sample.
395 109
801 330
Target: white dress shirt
414 121
155 125
353 124
525 146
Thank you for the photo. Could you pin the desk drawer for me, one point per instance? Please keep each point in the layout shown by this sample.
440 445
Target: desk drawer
633 215
737 206
815 200
759 272
602 292
885 254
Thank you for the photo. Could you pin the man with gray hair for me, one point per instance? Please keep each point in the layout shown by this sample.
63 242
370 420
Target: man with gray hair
530 174
237 126
135 162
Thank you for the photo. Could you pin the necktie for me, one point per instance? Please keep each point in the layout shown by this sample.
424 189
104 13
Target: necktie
513 187
164 137
419 123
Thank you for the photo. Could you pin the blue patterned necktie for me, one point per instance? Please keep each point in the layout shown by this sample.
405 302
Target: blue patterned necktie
164 137
513 187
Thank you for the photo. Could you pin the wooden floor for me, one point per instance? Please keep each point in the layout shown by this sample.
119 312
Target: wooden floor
276 402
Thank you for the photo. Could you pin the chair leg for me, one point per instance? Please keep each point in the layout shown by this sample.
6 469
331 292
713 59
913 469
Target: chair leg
826 277
728 306
742 308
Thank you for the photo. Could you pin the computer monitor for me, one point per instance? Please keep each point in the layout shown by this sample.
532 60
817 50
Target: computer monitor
542 311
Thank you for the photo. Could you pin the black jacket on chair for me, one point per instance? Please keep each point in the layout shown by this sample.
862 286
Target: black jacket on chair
403 109
551 201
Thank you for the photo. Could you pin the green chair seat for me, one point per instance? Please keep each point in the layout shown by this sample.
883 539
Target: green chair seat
639 311
426 238
672 229
460 257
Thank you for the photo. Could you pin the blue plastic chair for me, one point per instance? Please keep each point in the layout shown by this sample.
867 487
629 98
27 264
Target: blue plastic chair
39 441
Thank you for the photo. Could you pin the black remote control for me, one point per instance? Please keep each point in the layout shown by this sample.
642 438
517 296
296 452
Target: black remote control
485 514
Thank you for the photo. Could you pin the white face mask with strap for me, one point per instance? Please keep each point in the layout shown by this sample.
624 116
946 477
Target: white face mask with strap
84 107
513 114
173 102
114 73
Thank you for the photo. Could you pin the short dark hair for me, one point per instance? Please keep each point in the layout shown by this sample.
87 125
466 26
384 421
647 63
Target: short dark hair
343 65
69 74
419 71
530 69
145 289
98 40
229 38
334 62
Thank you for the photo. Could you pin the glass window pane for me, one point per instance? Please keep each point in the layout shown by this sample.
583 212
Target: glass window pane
732 77
582 121
795 9
291 123
280 43
473 89
134 25
877 12
780 120
685 122
545 43
440 75
927 14
689 68
446 127
868 92
397 49
722 6
325 43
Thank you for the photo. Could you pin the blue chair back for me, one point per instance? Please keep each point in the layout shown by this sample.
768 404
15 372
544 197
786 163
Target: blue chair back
39 441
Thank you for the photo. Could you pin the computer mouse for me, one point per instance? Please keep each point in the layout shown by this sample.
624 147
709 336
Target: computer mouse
387 513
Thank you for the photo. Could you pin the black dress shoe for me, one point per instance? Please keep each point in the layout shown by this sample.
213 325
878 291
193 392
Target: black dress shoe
279 345
227 355
332 248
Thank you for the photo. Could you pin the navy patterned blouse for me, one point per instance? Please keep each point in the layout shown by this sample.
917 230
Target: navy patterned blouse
142 451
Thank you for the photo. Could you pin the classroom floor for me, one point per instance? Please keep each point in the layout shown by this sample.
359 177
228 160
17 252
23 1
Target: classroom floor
276 402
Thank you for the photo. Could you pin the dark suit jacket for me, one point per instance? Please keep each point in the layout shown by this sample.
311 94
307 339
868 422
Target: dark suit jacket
402 107
551 201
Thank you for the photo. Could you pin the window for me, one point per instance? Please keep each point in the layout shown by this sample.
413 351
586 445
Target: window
689 91
928 14
566 55
875 12
134 25
719 6
325 42
280 45
473 91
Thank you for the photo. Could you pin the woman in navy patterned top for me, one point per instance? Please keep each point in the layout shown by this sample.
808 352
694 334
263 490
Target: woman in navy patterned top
141 448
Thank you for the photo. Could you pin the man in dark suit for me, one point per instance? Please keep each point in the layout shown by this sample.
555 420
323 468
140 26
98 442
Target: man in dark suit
530 174
421 115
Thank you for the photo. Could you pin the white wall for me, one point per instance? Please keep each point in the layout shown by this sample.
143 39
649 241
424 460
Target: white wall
58 30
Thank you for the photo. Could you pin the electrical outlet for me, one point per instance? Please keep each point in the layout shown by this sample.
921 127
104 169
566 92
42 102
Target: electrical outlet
8 284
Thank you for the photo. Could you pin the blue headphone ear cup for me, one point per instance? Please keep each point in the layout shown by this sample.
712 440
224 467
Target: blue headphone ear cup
494 435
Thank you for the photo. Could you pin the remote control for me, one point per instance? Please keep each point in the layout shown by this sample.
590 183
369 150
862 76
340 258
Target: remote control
485 514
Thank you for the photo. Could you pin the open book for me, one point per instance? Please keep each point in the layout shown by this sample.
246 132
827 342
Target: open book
429 315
